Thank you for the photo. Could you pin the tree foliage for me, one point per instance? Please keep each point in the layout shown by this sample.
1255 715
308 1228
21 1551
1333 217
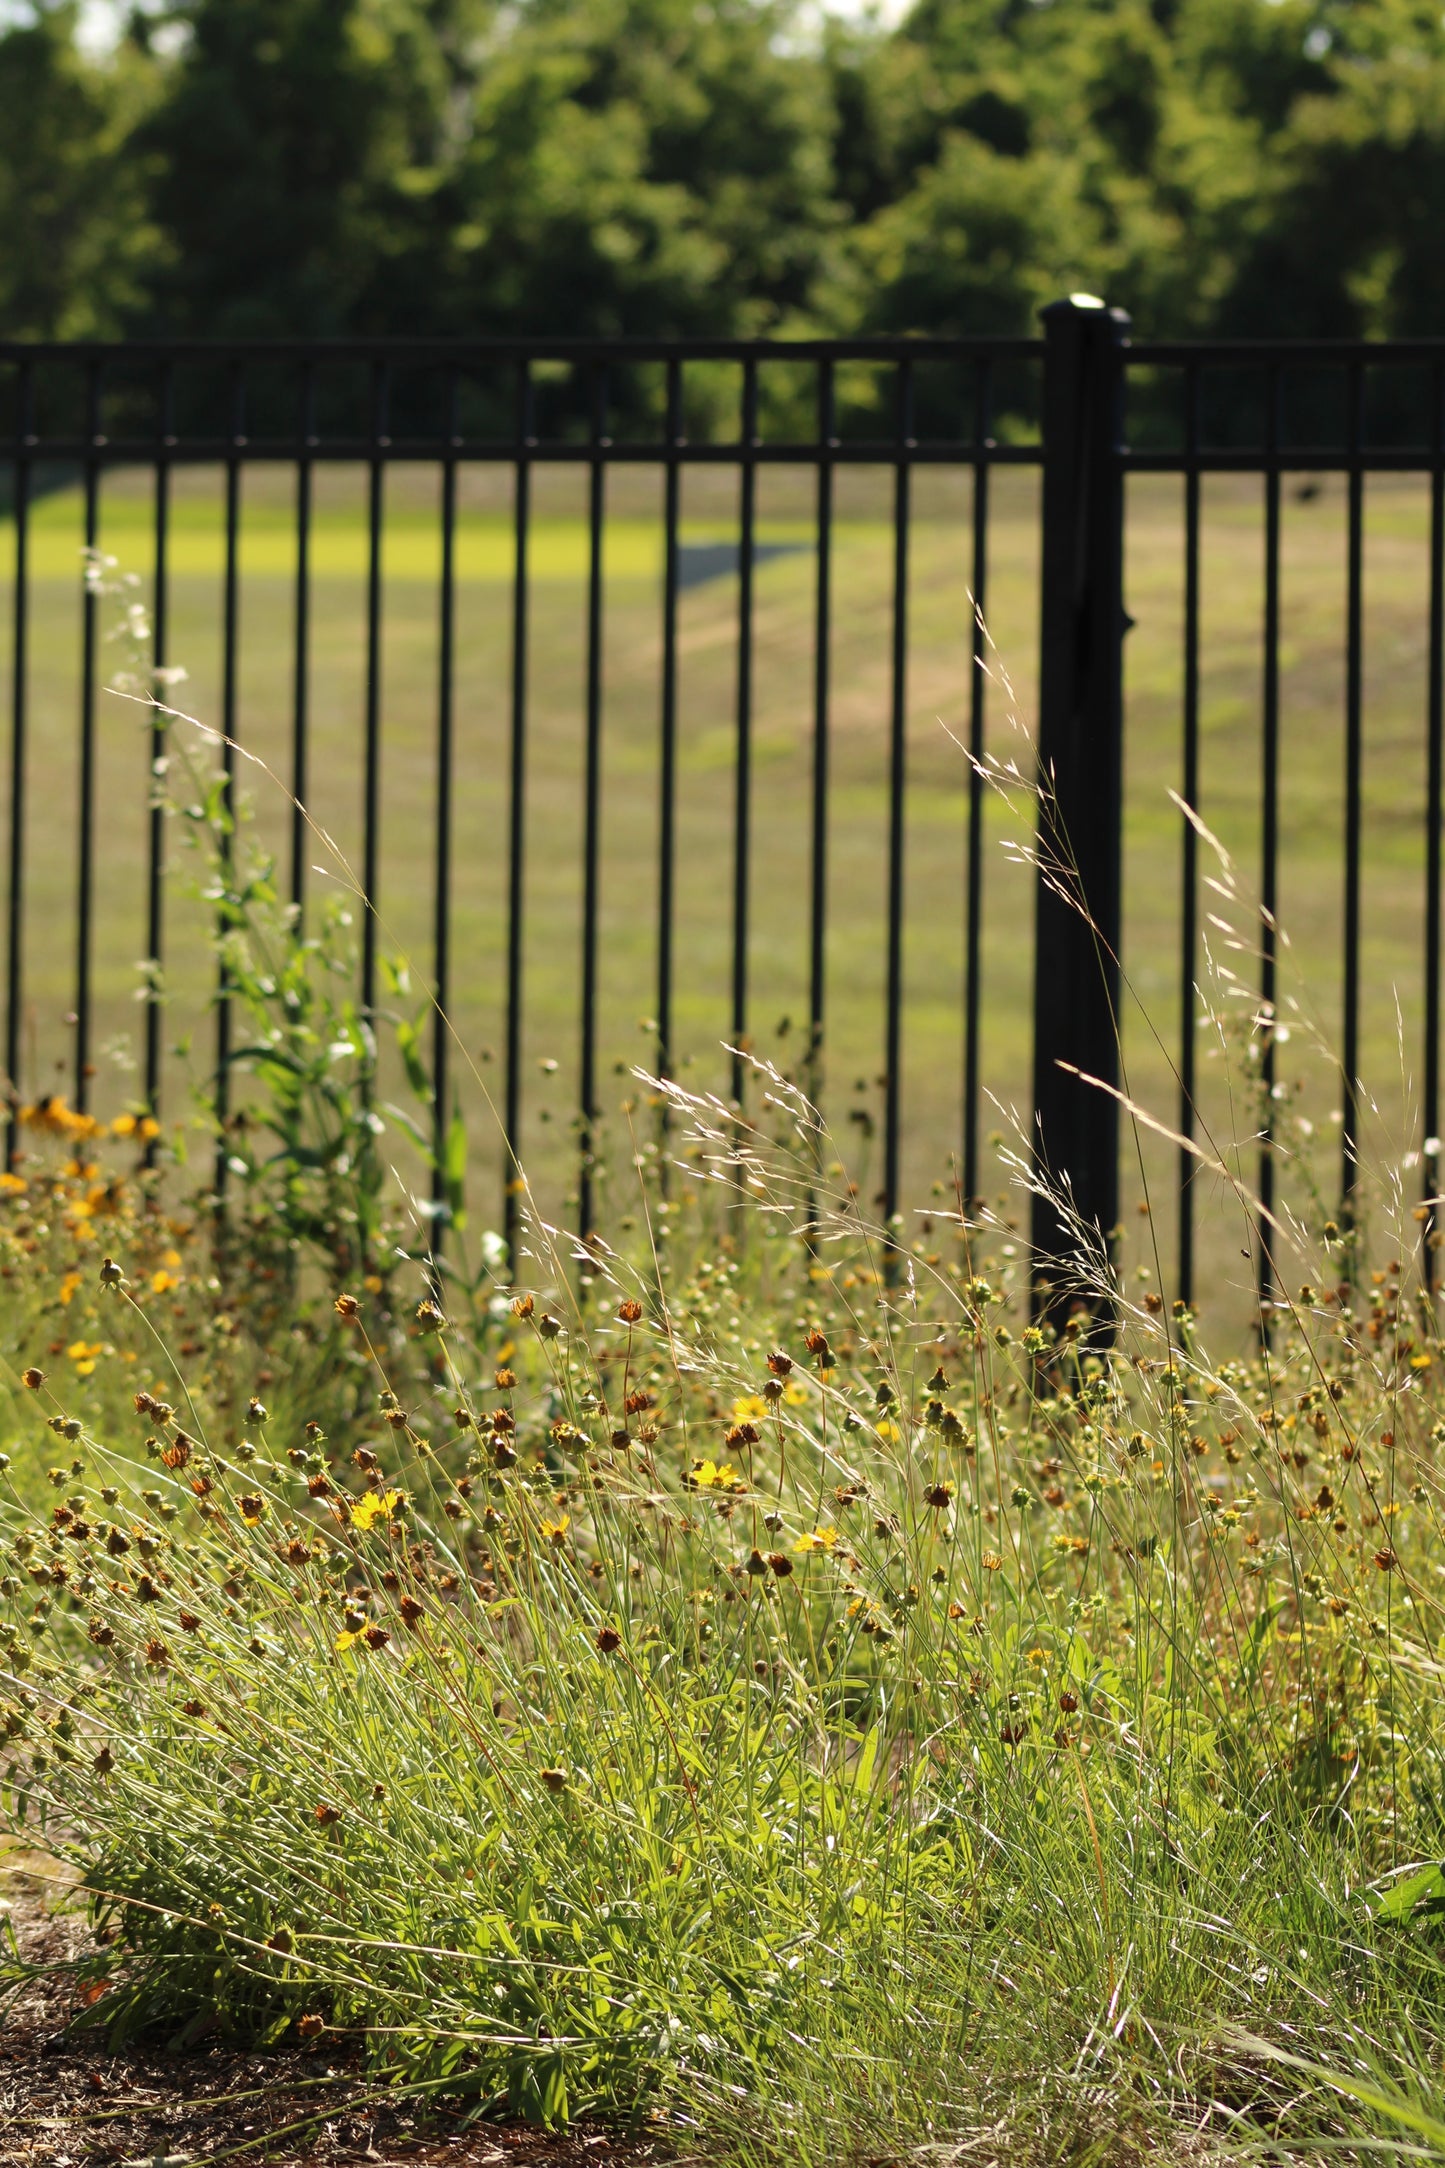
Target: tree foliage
257 167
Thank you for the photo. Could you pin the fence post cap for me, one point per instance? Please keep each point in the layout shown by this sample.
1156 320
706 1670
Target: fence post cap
1076 305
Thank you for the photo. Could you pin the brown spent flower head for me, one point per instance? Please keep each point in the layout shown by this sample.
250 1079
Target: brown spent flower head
1385 1559
781 1564
32 1379
346 1306
1068 1702
756 1563
816 1342
522 1306
554 1779
193 1708
188 1622
429 1317
549 1327
608 1639
375 1637
411 1611
630 1311
506 1378
177 1453
780 1364
104 1762
157 1654
310 2026
257 1412
938 1495
324 1816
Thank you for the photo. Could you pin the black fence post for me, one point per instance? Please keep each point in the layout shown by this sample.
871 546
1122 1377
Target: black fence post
1076 939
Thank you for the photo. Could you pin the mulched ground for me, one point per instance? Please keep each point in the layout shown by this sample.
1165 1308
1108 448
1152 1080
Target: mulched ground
68 2104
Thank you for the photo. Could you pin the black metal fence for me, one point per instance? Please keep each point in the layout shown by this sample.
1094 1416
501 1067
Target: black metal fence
1068 404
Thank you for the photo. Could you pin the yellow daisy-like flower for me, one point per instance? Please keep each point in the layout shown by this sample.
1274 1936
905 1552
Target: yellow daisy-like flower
85 1354
13 1185
750 1408
556 1531
888 1430
68 1286
375 1506
710 1475
344 1641
163 1282
817 1539
795 1394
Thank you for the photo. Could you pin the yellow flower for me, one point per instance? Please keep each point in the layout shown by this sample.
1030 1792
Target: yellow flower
372 1284
163 1282
83 1353
795 1394
370 1509
819 1539
344 1640
124 1125
888 1431
708 1475
750 1408
556 1531
13 1185
68 1285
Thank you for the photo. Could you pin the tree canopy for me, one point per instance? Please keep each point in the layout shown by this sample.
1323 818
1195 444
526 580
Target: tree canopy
291 167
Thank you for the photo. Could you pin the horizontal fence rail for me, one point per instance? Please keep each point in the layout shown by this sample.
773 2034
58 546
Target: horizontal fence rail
1081 421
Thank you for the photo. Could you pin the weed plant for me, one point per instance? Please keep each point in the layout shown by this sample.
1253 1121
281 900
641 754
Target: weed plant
759 1681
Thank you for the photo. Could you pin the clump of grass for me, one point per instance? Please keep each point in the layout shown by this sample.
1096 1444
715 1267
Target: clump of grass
790 1668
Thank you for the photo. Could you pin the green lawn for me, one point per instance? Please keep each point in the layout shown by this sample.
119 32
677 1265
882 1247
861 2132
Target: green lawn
1397 512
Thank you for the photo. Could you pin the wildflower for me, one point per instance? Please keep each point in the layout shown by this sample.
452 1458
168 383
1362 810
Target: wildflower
554 1779
188 1622
1068 1702
101 1634
818 1539
429 1317
608 1639
175 1455
325 1816
991 1562
629 1311
375 1506
69 1283
84 1354
193 1708
253 1507
157 1654
375 1637
938 1495
32 1379
816 1342
709 1475
795 1394
104 1762
13 1185
111 1275
1385 1559
346 1639
781 1564
309 2026
346 1306
522 1306
555 1532
779 1363
162 1282
756 1563
548 1327
749 1408
256 1413
506 1379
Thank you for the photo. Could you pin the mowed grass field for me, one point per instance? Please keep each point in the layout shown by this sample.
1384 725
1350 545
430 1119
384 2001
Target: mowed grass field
1312 810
